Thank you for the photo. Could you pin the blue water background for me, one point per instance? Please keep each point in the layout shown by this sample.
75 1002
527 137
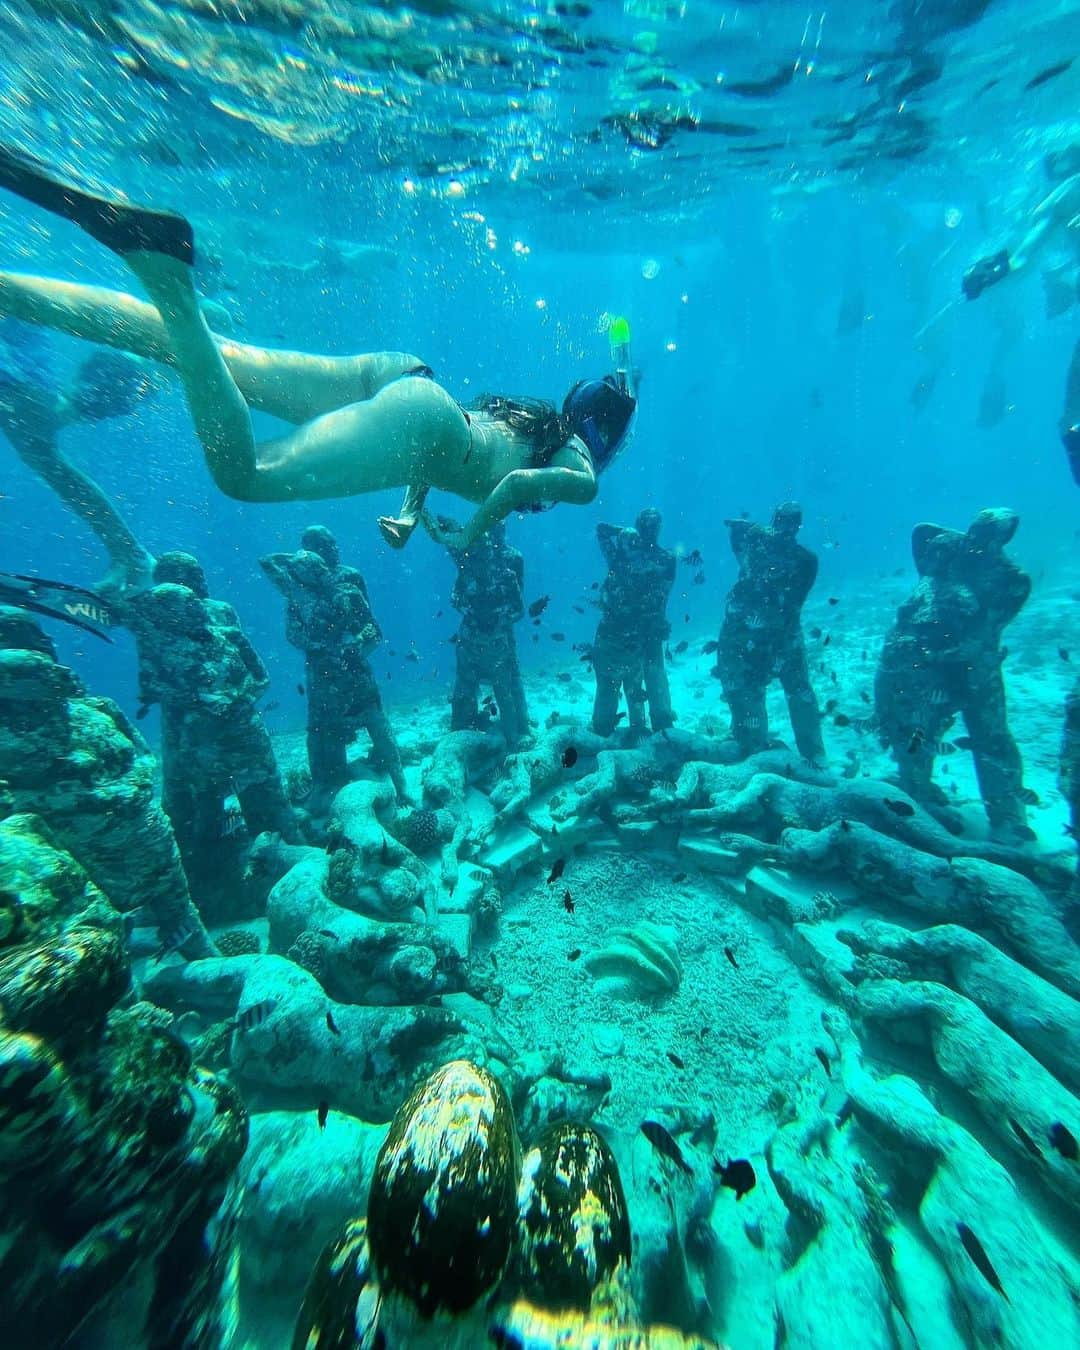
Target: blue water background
760 400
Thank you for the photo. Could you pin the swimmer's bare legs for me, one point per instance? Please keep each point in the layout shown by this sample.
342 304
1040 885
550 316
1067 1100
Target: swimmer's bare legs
294 386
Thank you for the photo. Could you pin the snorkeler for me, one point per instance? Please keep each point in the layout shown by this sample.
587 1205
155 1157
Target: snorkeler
362 426
1052 222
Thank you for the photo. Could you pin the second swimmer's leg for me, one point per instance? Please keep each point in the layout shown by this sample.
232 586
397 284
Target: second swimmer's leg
159 248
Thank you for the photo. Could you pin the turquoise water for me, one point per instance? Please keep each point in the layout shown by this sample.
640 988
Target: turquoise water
783 202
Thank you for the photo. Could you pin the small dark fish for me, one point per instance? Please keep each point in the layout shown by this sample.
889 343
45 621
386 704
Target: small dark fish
681 647
962 742
301 690
1025 1138
842 720
904 809
557 869
173 940
977 1252
737 1175
917 738
815 632
699 579
412 656
331 1025
864 696
830 706
845 825
686 618
323 1112
569 757
574 954
538 606
1064 1141
1063 652
586 657
568 902
675 1059
595 586
558 637
828 639
254 1014
731 957
694 558
564 677
823 1060
439 615
833 600
677 878
1029 797
232 822
1050 73
536 624
577 609
272 706
709 648
662 1141
326 932
141 711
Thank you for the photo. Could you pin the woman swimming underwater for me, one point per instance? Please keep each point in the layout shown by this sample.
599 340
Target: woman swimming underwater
361 423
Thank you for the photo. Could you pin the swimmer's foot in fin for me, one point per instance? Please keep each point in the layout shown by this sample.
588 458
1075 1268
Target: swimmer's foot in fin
120 226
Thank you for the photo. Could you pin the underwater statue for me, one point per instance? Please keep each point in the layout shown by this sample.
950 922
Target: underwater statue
943 657
194 658
77 762
197 662
761 638
628 653
329 618
489 594
117 1209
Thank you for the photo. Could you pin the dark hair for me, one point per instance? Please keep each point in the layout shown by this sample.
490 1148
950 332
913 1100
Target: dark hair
534 418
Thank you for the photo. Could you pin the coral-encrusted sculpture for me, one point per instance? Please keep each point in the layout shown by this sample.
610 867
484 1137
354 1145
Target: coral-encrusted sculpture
77 762
116 1152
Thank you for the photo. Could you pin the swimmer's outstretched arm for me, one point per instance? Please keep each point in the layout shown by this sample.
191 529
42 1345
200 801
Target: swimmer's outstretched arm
294 386
520 489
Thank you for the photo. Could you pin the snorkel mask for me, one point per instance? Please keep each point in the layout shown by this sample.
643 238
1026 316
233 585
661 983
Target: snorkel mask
602 415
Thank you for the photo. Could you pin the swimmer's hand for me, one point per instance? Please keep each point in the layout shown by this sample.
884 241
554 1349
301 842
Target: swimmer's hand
445 531
396 531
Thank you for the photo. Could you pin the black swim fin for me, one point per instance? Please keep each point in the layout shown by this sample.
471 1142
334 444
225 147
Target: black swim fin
118 225
83 610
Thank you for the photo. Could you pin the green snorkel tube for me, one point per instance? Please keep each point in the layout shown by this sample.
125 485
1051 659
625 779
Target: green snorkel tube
619 343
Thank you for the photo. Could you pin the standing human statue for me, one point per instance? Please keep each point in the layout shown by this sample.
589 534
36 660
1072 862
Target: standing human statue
761 639
628 653
196 661
329 618
943 657
489 594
